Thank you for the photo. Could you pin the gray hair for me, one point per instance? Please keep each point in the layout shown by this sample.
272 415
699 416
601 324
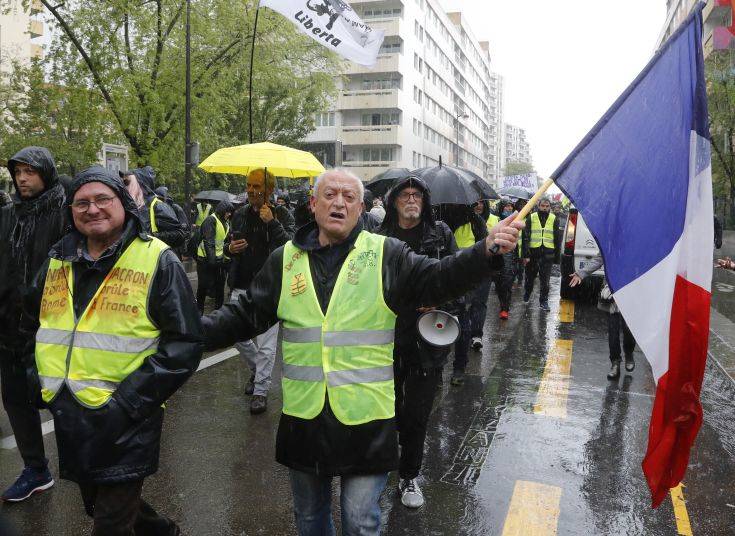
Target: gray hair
341 172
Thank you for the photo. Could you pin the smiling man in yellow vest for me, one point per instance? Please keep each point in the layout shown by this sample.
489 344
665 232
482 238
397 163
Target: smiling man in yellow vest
336 288
118 333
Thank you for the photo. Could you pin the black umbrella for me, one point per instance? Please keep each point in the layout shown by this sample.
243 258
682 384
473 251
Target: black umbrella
454 186
516 191
381 183
214 196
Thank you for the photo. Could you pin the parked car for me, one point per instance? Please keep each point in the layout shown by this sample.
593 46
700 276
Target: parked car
579 248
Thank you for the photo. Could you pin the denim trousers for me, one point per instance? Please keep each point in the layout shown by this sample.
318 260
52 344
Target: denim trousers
359 495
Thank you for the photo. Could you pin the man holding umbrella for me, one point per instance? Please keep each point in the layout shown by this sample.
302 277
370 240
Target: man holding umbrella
258 228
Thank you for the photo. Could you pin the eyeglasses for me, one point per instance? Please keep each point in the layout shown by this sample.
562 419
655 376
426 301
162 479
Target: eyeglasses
101 203
405 196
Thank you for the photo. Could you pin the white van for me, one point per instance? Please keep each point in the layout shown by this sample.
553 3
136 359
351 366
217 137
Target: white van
579 247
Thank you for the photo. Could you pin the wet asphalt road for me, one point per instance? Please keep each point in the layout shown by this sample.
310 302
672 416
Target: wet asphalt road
536 442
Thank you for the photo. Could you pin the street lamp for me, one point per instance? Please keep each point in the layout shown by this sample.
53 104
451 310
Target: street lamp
457 117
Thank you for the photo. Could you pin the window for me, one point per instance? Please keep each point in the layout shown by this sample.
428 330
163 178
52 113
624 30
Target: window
325 119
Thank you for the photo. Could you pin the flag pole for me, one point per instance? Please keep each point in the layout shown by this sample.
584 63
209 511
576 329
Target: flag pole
532 202
250 88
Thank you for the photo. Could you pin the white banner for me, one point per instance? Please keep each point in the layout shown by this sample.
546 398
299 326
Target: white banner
528 180
333 24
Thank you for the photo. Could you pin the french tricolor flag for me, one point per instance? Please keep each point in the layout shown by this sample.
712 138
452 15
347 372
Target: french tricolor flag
642 179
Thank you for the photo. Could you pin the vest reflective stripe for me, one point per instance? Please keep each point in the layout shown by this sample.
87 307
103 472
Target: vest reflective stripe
464 236
219 239
492 221
542 235
203 211
152 215
345 354
96 341
301 373
366 375
111 339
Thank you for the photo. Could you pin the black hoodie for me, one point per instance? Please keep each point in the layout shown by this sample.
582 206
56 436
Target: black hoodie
28 229
170 229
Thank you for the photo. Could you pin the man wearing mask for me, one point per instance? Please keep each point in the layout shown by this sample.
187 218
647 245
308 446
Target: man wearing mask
211 266
109 354
27 231
159 218
541 250
258 228
417 365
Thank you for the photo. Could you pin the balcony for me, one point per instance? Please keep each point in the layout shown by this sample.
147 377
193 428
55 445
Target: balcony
372 99
36 7
371 135
368 170
35 28
387 63
391 25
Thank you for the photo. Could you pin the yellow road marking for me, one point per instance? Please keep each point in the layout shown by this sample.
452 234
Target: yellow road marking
683 527
553 392
533 510
566 311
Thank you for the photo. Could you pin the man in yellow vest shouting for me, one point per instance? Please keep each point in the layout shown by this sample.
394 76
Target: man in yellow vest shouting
541 250
117 333
335 289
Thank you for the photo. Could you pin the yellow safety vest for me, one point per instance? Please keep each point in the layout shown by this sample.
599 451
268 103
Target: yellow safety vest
542 235
92 354
347 353
464 236
492 221
219 239
203 210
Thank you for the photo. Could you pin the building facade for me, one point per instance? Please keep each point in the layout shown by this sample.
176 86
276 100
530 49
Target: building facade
20 33
431 96
719 26
517 148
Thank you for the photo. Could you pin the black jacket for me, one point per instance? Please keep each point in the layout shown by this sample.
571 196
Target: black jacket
121 441
262 240
542 251
170 230
208 233
323 445
28 229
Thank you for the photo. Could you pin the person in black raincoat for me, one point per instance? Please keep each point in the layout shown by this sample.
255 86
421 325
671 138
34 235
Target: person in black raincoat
28 229
167 225
418 366
317 449
211 267
164 195
108 451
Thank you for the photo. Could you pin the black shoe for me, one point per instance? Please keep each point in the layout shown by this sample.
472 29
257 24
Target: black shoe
258 404
545 306
250 386
526 298
614 373
457 377
629 363
476 343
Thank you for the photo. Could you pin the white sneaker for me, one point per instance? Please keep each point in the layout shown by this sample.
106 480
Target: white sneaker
411 495
476 343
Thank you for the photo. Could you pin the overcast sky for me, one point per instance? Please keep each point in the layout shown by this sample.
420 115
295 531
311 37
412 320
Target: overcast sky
564 62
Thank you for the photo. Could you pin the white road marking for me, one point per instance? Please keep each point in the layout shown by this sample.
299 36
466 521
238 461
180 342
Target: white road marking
8 443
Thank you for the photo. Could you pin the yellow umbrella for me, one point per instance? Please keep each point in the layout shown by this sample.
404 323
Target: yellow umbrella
280 160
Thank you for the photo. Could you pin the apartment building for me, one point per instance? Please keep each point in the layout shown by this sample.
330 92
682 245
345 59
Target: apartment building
20 32
431 95
719 26
517 148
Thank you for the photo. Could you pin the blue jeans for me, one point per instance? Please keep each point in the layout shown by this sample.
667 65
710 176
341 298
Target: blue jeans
359 494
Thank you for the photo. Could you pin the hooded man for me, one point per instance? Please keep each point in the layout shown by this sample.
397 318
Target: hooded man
159 219
111 351
163 194
27 231
417 366
211 260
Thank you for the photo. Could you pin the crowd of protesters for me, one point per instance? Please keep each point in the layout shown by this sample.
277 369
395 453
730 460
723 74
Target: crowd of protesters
99 324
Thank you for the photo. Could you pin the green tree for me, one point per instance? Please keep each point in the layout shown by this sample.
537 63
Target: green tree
131 54
721 96
514 167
